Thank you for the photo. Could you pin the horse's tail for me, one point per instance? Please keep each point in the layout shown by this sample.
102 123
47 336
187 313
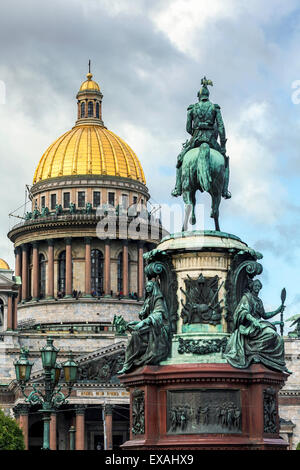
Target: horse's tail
204 167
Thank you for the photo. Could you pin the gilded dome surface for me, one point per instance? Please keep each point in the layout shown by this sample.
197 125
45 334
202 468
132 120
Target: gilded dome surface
89 84
89 150
3 264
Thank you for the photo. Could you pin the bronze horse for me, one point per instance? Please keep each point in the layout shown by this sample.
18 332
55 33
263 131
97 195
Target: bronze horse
203 168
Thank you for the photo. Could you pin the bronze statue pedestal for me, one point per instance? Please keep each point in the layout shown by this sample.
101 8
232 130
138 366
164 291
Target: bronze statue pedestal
204 407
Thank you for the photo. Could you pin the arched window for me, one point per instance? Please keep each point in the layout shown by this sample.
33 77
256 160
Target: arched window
97 264
90 109
97 110
82 109
42 275
120 272
61 284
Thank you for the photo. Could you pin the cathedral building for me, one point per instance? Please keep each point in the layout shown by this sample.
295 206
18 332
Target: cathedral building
78 263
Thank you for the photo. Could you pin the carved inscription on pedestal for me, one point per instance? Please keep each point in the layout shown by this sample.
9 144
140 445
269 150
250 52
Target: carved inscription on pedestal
204 411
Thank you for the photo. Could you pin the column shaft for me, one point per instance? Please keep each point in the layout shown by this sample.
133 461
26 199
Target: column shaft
53 432
125 269
9 311
18 268
23 423
88 267
140 271
15 312
24 273
68 267
107 426
79 439
35 272
50 274
107 268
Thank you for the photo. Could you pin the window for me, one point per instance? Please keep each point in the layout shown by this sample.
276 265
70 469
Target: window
43 201
96 198
66 200
82 109
53 201
1 313
111 199
97 110
125 201
42 276
97 264
81 198
90 109
134 199
61 284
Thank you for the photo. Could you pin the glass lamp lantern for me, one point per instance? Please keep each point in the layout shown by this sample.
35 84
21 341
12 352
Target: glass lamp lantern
55 374
49 354
23 366
70 370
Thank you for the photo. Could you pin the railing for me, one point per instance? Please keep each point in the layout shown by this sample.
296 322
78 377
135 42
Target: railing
71 328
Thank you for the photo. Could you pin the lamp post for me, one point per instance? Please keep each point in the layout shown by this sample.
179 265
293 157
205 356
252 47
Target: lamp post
52 397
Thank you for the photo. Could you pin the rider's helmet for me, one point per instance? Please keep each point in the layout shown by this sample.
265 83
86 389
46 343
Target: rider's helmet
203 93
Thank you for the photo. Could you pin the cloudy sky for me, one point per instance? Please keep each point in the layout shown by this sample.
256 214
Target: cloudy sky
149 58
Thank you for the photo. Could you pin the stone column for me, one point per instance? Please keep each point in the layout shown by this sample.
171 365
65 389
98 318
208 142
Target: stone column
140 270
79 440
24 272
53 443
107 426
15 311
107 268
88 267
18 268
35 271
50 273
125 268
9 311
21 413
68 292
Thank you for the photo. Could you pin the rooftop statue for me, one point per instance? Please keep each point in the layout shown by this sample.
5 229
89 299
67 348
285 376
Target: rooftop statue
202 163
254 339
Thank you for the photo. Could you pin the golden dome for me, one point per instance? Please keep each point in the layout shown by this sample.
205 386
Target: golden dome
3 264
89 149
89 84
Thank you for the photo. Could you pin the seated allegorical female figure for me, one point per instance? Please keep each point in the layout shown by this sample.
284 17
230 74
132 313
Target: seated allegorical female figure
255 340
149 342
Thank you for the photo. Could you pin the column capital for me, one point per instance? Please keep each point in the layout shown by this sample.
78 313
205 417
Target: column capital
80 409
50 241
87 240
107 241
68 240
25 247
21 409
108 409
125 242
35 244
141 244
17 250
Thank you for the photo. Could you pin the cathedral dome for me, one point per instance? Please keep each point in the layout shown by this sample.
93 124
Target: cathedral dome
89 148
3 264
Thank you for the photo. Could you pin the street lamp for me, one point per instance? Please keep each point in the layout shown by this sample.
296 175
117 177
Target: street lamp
52 397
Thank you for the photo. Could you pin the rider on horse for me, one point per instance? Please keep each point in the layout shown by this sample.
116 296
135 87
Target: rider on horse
204 123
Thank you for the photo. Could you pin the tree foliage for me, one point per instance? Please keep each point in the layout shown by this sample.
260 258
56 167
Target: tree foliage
11 436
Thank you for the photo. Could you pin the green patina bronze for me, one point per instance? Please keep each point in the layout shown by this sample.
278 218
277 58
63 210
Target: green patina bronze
254 339
150 337
202 163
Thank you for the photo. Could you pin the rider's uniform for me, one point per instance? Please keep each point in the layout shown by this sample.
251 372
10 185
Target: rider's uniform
204 123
